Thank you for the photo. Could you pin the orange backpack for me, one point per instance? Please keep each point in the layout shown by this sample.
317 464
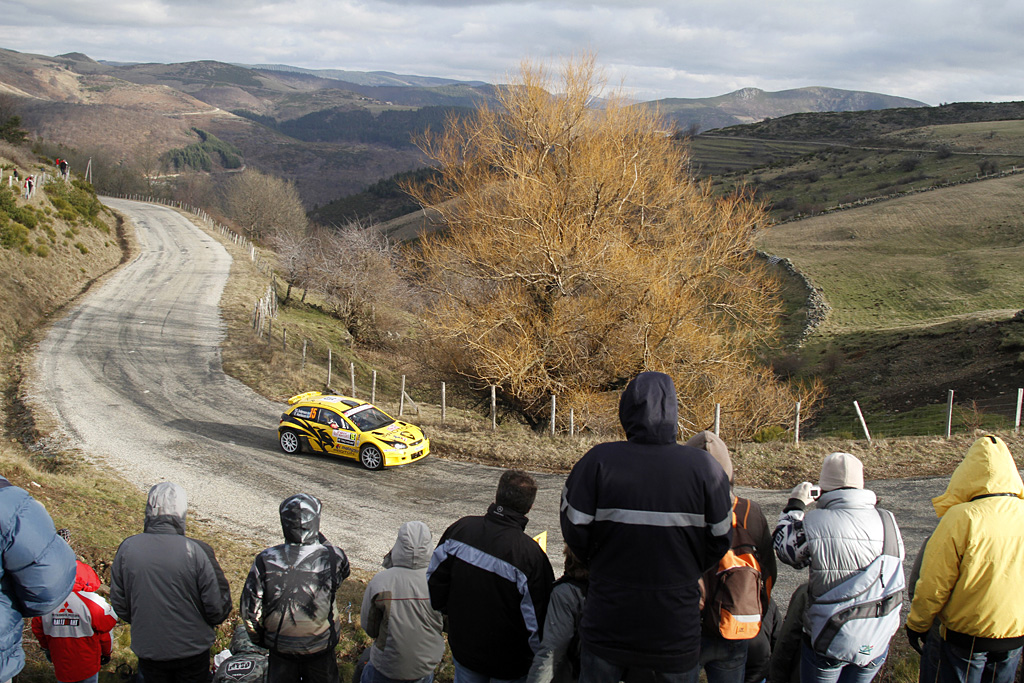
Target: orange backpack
732 590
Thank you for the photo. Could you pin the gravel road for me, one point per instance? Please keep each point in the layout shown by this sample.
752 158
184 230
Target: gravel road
133 377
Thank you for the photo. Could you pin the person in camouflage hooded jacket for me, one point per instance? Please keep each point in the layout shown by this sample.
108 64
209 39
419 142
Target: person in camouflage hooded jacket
288 598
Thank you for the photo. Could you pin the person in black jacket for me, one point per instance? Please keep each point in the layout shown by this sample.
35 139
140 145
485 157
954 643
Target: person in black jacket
648 516
493 582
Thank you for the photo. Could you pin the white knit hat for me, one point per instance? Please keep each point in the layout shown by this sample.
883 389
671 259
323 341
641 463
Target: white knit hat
841 470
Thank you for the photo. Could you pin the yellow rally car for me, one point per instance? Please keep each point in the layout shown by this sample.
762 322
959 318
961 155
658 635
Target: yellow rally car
351 428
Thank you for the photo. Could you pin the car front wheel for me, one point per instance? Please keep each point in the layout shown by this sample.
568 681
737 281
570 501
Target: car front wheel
290 443
370 457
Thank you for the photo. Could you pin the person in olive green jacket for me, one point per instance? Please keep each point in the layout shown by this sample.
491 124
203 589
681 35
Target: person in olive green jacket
973 569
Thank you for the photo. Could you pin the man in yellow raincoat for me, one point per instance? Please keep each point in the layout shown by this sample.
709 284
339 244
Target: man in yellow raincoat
972 574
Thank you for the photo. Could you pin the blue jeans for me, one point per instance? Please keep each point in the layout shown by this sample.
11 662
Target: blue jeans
464 675
371 675
817 669
593 669
960 665
723 661
931 652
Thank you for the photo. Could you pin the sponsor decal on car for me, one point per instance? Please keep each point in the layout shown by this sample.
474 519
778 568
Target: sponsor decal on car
347 438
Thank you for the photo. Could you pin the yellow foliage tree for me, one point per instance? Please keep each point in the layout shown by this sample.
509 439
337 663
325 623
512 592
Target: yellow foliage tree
578 252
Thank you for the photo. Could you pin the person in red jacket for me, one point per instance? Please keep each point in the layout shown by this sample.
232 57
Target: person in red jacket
76 635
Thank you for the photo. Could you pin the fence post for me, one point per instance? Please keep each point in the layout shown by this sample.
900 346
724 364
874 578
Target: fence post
572 421
718 418
552 414
373 388
443 403
401 399
1020 400
796 429
862 422
304 342
284 338
328 368
494 408
949 416
352 377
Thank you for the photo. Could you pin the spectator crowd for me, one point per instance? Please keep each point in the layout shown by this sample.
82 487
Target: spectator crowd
667 574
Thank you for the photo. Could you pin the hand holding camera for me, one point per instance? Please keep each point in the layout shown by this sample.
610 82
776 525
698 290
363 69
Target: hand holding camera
805 492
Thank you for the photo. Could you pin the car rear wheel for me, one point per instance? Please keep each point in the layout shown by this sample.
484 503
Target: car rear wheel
290 442
370 457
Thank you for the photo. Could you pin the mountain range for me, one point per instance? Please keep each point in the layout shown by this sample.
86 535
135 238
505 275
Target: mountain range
332 131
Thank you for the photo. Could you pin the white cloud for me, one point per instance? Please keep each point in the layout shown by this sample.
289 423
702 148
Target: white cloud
933 50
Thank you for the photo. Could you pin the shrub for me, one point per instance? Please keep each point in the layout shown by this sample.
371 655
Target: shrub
81 247
42 250
13 235
771 433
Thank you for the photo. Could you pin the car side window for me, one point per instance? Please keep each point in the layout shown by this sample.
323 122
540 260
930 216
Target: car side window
328 416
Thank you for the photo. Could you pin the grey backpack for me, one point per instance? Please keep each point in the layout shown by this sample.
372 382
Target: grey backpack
854 621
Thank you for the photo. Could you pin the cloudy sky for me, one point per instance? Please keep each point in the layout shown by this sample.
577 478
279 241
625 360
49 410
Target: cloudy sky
930 50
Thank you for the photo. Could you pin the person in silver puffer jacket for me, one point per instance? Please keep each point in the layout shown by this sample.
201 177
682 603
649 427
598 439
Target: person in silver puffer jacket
837 539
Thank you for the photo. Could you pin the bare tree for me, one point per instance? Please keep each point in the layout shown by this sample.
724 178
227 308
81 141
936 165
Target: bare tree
578 252
264 205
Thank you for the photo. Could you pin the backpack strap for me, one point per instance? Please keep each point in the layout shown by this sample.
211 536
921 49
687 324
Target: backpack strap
890 544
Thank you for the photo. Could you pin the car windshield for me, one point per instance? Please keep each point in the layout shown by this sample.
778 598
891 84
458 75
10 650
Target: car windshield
367 418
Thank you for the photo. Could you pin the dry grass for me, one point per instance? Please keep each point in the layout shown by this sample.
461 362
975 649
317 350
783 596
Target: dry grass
914 261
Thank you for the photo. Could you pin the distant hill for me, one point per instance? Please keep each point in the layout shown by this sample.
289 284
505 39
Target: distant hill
750 105
333 132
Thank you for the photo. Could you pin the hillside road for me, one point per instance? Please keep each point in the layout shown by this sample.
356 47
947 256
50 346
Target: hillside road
133 377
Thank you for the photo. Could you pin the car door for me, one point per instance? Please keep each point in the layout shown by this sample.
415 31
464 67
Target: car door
327 424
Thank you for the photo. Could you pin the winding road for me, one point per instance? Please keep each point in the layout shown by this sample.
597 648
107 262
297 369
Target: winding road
133 377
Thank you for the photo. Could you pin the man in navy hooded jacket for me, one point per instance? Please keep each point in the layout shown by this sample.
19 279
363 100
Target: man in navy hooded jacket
648 516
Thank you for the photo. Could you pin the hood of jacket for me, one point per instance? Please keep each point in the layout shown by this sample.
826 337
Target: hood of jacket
166 507
412 547
649 409
987 469
300 519
85 578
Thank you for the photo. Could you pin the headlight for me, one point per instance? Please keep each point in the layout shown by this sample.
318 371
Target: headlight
398 446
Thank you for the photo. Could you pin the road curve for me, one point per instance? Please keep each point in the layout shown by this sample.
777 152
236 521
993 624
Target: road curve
133 376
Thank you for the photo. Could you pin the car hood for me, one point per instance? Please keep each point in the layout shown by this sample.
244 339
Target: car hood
399 431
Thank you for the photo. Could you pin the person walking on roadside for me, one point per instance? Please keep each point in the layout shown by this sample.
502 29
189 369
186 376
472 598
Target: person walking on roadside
76 635
288 599
838 540
648 516
171 590
37 570
493 582
973 570
724 660
396 613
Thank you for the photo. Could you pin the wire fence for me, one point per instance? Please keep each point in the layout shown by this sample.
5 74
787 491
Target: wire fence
955 413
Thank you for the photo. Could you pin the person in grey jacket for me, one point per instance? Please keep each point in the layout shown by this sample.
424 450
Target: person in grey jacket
558 660
37 571
839 538
288 598
172 591
396 613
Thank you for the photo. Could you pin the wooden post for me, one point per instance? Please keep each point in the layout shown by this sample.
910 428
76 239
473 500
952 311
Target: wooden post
401 399
718 418
284 338
444 404
304 342
552 414
572 421
862 422
949 415
796 428
1020 401
494 408
328 368
373 388
352 376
